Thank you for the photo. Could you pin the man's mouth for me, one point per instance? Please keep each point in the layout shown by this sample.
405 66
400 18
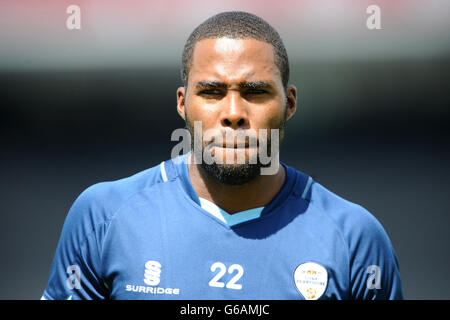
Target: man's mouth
232 145
236 143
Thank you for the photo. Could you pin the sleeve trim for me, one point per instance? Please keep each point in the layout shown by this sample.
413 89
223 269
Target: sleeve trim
46 296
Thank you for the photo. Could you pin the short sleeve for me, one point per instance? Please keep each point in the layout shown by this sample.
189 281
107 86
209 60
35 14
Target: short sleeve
374 269
76 268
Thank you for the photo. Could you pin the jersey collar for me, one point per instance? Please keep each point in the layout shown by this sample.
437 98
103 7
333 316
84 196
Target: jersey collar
181 167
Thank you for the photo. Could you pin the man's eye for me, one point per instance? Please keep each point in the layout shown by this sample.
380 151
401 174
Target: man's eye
210 92
256 91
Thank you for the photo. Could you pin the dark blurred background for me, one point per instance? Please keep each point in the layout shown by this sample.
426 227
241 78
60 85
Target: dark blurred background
83 106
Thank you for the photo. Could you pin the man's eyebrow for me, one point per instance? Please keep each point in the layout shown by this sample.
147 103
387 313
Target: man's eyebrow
255 85
242 85
210 84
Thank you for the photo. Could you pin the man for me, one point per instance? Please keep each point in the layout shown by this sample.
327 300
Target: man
195 227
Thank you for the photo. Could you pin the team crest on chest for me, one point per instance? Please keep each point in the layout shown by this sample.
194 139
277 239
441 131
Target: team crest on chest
311 280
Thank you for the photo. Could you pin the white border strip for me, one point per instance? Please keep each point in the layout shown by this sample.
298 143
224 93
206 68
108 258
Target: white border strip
308 185
163 171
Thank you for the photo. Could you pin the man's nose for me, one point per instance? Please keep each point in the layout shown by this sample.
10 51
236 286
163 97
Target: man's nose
234 112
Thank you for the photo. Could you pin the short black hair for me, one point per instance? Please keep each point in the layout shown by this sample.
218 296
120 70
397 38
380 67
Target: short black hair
236 25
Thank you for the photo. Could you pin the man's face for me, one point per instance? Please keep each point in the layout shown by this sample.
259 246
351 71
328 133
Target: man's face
234 84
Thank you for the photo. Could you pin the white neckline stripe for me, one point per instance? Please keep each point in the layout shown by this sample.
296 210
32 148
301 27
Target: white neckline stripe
230 219
163 171
212 209
308 185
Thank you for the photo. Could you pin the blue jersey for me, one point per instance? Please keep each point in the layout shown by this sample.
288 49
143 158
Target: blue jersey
149 236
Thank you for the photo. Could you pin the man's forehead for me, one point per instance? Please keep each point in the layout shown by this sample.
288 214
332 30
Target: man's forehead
226 47
234 60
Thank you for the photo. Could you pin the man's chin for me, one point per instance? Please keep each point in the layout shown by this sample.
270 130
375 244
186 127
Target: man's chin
232 174
231 156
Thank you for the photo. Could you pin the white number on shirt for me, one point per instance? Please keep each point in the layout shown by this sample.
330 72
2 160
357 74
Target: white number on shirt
222 270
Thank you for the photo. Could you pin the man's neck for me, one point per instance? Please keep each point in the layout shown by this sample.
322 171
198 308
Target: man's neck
256 193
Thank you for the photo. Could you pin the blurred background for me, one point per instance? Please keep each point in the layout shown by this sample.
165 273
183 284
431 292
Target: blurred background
99 103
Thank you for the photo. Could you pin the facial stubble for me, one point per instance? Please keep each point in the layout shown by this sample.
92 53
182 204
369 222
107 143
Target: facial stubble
236 174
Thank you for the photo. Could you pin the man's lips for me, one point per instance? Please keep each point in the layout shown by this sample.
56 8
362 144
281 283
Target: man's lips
231 145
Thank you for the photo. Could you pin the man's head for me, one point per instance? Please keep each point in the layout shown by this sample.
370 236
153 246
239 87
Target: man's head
236 25
235 73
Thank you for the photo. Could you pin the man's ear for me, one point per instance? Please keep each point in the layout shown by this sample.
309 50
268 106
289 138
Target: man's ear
181 94
291 101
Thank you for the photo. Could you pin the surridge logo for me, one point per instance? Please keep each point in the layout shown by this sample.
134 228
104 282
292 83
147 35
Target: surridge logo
152 278
152 273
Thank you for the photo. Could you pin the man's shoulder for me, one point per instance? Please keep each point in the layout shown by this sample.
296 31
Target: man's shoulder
354 221
100 201
124 187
